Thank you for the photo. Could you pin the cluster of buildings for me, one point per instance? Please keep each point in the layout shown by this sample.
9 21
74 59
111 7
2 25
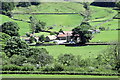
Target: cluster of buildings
62 37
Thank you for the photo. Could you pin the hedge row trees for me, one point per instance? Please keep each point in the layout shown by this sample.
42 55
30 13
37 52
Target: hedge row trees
10 28
27 4
118 4
24 4
7 7
87 13
36 26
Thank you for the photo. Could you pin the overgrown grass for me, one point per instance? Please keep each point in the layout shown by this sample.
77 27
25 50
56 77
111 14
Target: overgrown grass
83 51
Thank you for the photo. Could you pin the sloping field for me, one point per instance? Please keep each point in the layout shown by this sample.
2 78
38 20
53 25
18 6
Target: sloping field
24 27
51 7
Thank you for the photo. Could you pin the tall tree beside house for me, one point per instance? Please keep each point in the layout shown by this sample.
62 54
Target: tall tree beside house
32 39
81 34
10 28
41 38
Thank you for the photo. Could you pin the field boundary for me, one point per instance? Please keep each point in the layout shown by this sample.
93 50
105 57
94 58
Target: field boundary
46 13
60 73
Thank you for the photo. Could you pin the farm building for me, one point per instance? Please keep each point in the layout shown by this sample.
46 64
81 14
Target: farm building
50 38
65 35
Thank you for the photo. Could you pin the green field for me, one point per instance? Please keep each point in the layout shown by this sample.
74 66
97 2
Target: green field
52 76
83 51
105 36
66 22
24 27
52 7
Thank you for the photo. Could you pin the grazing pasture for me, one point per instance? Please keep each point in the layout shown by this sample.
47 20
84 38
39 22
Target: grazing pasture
106 36
83 51
24 26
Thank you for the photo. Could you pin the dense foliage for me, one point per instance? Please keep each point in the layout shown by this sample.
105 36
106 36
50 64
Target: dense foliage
118 4
10 28
81 34
7 6
36 26
24 4
14 46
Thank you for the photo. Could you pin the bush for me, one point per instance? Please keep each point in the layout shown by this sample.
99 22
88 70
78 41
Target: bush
102 28
58 67
66 59
28 34
11 67
48 68
28 67
52 33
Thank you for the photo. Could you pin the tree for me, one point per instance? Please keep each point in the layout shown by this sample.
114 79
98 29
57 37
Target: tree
8 6
81 34
17 60
87 13
35 3
14 45
32 39
111 56
3 38
41 38
40 55
118 4
66 59
36 26
24 4
10 28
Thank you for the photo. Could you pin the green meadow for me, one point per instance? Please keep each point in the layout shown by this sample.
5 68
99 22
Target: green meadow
83 51
24 27
106 36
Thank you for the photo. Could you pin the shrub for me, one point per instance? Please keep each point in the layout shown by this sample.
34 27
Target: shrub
58 67
28 67
66 59
11 67
102 28
52 33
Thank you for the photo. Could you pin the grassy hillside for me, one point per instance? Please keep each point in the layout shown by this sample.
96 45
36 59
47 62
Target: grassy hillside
66 22
51 7
24 27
